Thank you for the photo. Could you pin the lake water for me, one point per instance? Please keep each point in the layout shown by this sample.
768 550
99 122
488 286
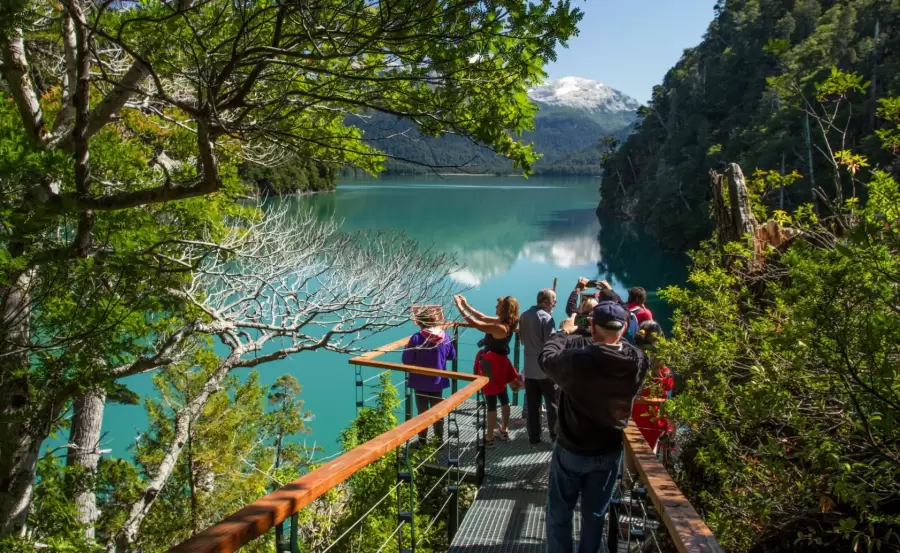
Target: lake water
514 236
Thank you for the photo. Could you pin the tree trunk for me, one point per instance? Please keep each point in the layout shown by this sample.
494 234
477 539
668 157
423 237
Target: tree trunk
124 540
781 188
873 88
742 220
20 443
734 219
812 171
18 462
720 210
84 452
17 73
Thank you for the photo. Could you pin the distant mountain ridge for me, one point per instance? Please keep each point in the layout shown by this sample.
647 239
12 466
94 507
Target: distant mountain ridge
574 113
584 94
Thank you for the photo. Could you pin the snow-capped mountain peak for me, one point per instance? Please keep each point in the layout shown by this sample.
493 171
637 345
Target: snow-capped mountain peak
581 93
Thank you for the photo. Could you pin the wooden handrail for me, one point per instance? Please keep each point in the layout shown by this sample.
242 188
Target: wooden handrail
400 367
393 346
257 518
687 529
367 360
265 513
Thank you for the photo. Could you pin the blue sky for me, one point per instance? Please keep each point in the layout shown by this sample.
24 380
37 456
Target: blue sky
630 44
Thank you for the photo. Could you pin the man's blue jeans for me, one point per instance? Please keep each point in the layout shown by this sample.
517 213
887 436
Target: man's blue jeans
594 478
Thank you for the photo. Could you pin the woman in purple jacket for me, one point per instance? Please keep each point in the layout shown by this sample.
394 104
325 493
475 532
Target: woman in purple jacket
430 348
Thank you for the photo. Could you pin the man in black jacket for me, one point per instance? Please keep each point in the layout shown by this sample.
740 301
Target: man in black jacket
597 386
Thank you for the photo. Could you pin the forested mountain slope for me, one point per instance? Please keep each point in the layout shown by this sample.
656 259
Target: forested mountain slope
720 104
574 114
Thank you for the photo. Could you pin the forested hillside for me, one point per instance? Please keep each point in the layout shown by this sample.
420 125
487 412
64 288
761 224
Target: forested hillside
724 101
567 137
293 175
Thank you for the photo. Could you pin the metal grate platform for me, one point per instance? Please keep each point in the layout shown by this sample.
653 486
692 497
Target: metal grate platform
508 515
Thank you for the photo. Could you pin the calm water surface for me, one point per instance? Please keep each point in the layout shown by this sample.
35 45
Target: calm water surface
513 236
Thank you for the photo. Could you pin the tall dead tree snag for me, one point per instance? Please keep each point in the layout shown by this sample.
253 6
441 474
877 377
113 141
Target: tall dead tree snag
734 216
735 221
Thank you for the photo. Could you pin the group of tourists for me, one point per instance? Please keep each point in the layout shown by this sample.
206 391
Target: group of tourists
586 373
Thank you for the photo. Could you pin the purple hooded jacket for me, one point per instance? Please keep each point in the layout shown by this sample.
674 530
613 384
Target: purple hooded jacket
430 348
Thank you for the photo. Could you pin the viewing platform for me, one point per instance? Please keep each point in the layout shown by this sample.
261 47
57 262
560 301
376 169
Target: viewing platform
648 512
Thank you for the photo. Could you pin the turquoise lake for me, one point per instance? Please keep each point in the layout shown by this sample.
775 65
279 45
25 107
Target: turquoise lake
514 236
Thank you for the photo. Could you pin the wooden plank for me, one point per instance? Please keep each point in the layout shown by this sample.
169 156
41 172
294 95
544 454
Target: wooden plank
265 513
393 346
413 369
687 529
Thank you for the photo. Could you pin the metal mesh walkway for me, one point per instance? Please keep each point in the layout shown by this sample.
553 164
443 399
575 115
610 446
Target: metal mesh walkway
508 513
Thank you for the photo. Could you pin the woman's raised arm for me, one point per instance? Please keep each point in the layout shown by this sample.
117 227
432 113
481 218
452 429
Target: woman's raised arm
464 306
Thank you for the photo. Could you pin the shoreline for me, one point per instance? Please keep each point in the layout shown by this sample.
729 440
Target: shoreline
481 175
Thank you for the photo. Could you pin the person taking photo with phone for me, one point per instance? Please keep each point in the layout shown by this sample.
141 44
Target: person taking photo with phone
493 360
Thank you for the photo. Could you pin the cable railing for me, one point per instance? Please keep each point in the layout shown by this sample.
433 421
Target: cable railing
425 482
426 474
648 513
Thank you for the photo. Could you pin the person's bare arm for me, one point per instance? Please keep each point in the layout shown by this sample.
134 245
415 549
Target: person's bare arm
496 329
464 306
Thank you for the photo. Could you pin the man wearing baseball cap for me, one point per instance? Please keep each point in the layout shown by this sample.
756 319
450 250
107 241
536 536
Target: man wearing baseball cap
597 385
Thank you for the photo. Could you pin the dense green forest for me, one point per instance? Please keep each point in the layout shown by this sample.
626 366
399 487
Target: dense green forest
722 103
786 334
291 176
567 138
786 338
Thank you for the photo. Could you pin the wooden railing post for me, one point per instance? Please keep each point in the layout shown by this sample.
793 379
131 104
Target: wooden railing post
280 545
360 389
453 513
453 454
295 531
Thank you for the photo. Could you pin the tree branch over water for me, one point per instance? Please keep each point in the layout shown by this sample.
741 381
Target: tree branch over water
282 285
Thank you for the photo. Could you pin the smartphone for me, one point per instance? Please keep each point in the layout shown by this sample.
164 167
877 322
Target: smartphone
581 321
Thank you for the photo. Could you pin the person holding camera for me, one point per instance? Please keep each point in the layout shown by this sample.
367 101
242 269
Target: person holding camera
604 293
597 386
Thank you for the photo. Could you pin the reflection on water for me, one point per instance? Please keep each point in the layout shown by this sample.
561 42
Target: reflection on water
491 223
630 257
488 224
513 236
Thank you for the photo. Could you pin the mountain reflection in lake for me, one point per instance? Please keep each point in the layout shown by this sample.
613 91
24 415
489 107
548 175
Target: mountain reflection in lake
512 237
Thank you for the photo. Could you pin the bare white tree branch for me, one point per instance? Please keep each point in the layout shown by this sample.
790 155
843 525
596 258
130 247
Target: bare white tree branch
285 284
